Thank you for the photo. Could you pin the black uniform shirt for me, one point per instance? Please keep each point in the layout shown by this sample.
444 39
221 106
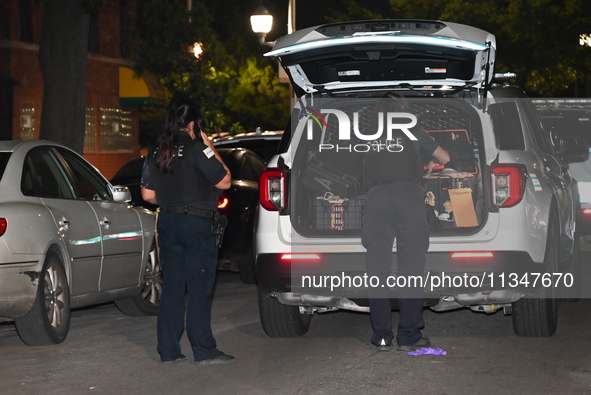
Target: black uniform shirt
402 161
196 171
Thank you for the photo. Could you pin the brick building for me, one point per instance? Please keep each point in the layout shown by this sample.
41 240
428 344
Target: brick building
114 94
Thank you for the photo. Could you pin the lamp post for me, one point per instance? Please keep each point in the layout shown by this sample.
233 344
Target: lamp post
585 41
291 16
262 23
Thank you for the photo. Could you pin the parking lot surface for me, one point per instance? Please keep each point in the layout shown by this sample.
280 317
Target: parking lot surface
107 352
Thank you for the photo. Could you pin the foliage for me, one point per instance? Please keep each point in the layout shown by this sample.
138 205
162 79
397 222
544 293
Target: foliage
537 39
352 10
258 96
221 72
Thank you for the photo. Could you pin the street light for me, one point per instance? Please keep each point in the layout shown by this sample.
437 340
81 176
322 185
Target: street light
197 50
262 22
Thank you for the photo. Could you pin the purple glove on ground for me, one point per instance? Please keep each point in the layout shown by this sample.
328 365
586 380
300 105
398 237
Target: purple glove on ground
428 351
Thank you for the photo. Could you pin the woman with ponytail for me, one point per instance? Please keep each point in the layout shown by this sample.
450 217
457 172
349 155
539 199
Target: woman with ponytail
184 174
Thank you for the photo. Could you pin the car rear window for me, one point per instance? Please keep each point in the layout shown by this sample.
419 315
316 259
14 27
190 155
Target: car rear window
263 147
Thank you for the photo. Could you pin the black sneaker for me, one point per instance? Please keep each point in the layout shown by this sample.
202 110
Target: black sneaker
181 358
218 359
384 345
423 342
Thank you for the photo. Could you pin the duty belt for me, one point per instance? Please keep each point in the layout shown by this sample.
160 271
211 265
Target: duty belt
185 209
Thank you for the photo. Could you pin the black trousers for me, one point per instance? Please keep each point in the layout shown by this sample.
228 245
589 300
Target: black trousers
396 211
188 256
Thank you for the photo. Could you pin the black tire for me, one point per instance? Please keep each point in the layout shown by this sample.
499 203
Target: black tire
538 316
533 317
573 268
279 320
48 321
147 301
247 267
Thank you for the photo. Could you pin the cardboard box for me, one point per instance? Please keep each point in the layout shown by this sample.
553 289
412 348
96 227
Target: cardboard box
437 198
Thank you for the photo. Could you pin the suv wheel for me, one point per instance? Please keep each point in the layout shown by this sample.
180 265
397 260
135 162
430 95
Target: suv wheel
280 320
538 316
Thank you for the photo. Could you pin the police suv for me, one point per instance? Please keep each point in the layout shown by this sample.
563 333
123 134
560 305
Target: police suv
502 213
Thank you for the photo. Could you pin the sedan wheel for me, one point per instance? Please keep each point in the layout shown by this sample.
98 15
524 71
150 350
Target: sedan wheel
48 321
148 300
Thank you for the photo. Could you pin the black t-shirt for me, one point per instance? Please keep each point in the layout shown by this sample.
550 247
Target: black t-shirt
196 171
397 159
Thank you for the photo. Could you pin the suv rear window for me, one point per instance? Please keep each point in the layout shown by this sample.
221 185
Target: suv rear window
507 126
4 157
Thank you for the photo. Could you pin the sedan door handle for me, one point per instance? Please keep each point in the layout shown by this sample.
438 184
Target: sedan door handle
105 222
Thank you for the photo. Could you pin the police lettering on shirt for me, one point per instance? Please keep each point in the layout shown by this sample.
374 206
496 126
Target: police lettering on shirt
180 151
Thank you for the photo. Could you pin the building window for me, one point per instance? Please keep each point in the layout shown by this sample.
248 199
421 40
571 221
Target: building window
115 130
25 20
90 130
27 122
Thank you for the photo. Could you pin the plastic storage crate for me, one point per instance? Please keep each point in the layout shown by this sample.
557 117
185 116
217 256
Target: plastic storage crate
338 215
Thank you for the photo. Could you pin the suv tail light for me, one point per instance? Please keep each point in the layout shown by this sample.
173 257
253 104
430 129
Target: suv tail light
223 202
272 189
508 184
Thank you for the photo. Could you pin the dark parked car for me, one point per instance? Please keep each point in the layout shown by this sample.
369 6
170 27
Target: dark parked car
238 204
572 118
264 144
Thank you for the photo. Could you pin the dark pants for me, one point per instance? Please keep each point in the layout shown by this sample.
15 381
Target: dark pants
396 211
188 256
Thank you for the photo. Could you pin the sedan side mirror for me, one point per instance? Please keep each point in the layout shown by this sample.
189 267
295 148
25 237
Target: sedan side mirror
121 194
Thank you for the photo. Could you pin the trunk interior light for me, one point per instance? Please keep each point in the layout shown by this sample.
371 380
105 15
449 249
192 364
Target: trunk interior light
272 190
508 184
3 226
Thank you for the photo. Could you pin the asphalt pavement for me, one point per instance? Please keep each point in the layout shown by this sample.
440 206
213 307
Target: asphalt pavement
107 353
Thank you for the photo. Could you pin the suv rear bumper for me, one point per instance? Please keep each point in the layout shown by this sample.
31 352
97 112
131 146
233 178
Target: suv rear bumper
444 275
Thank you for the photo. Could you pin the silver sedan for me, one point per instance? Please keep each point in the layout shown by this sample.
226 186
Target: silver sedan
68 238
